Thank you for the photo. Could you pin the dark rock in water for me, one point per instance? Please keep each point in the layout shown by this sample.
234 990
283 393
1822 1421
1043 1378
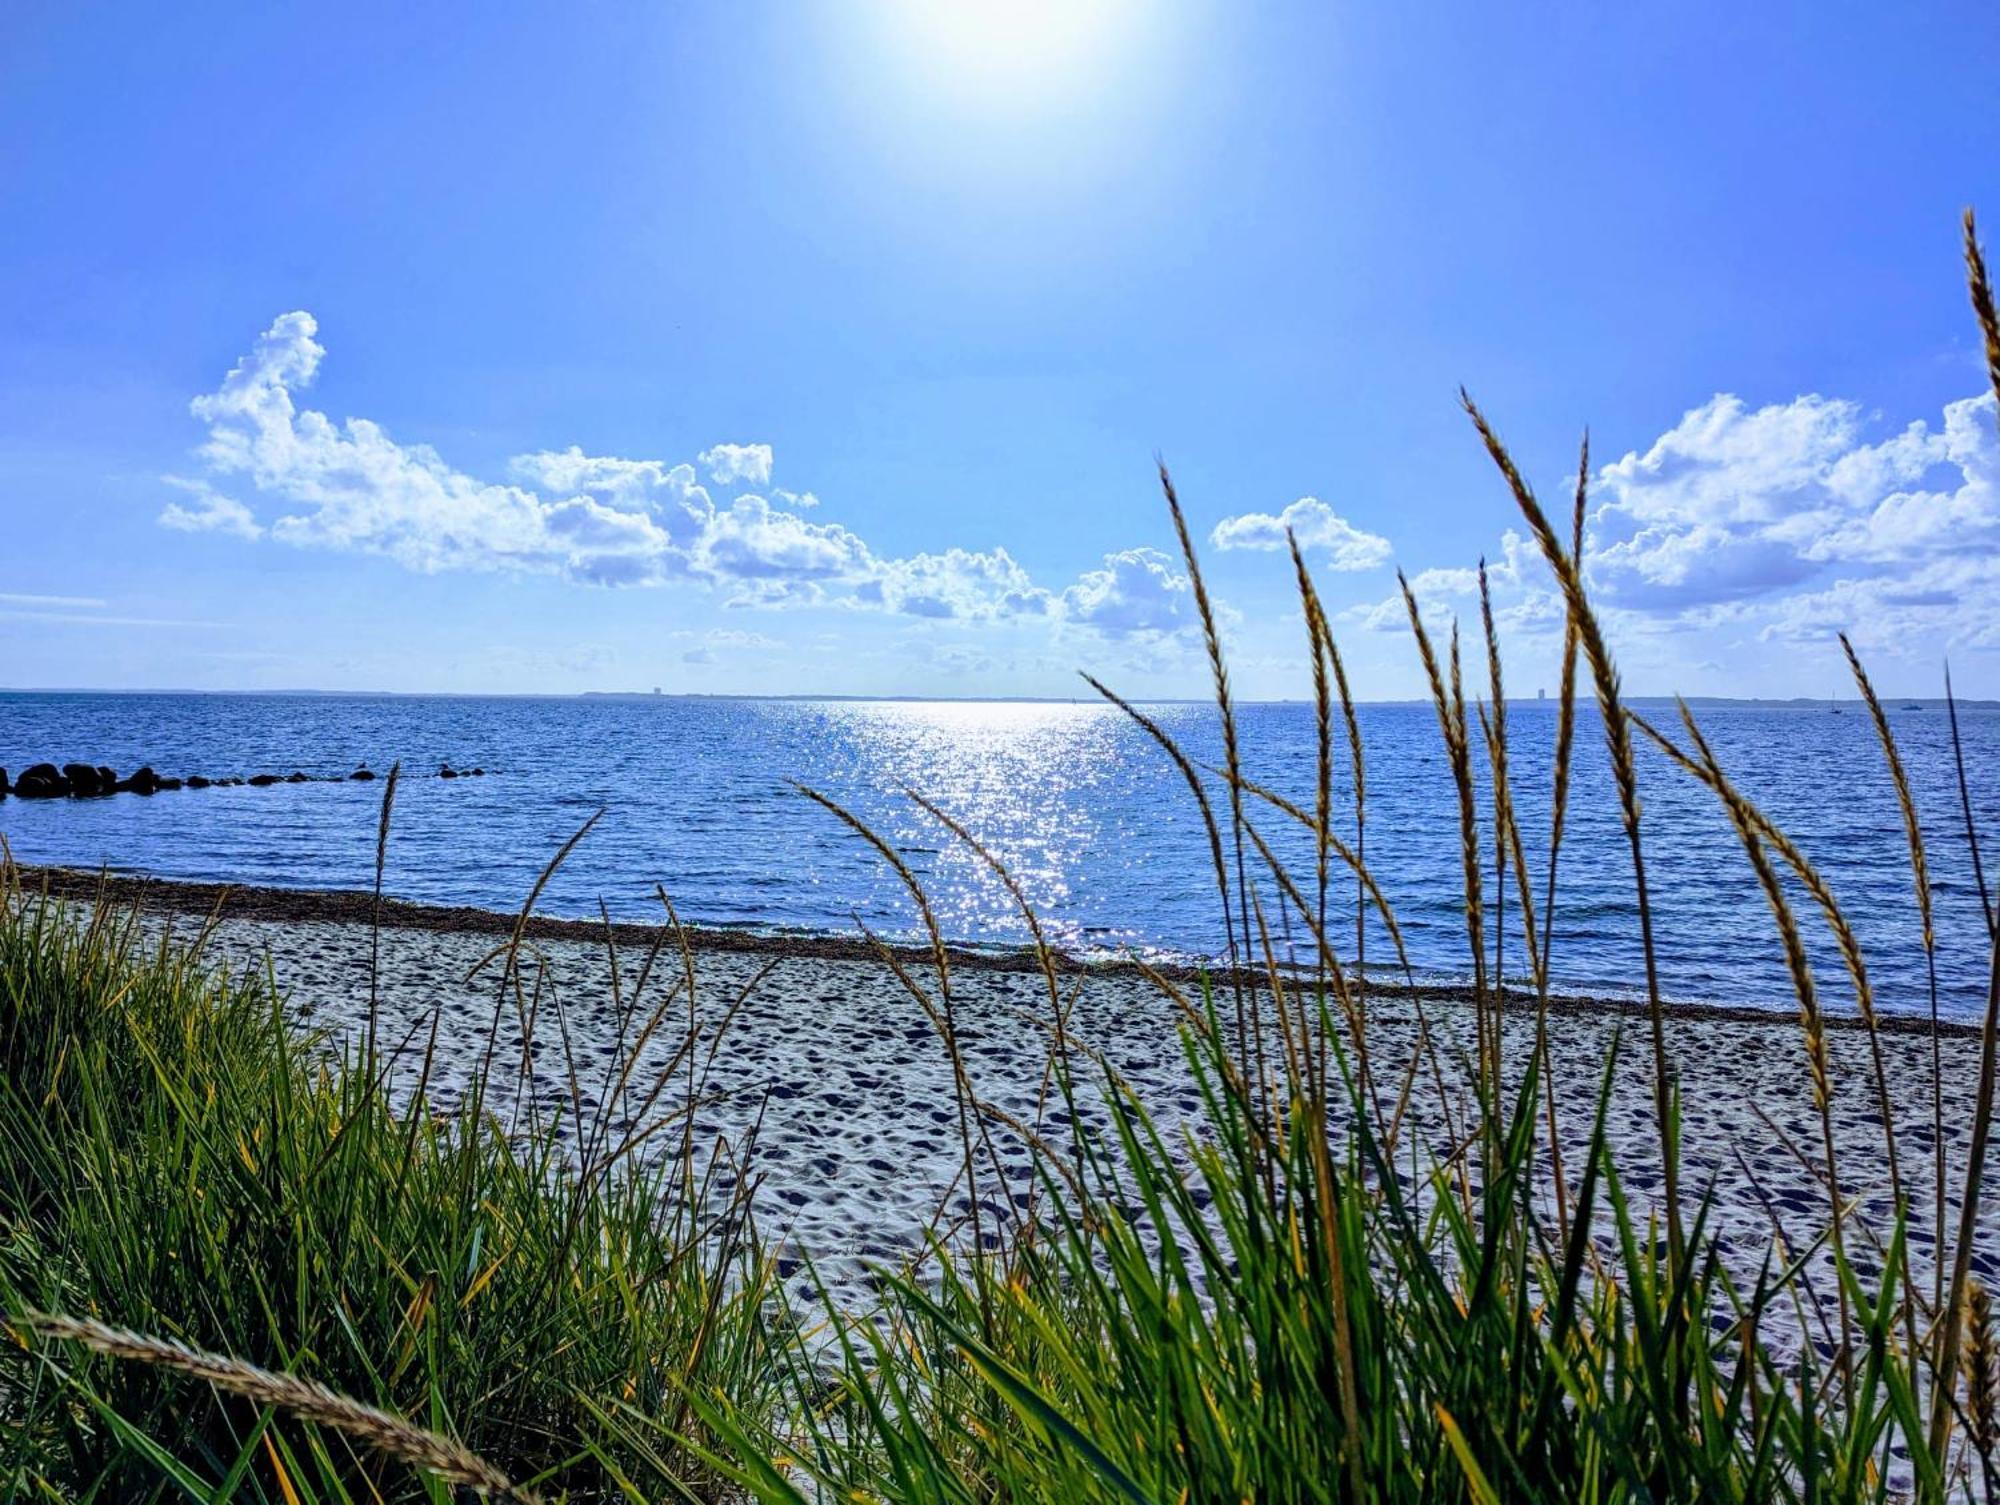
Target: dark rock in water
42 782
145 781
83 780
168 784
3 781
108 777
196 781
477 773
362 774
447 772
262 780
297 778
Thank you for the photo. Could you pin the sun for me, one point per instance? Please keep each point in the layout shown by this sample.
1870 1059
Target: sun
1014 47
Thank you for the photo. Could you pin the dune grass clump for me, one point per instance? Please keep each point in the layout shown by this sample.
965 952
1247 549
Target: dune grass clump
1294 1297
180 1167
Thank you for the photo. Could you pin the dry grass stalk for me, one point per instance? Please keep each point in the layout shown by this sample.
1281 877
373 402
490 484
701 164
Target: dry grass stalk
1451 725
1989 328
1509 848
1503 794
1913 833
1249 1022
1475 889
1323 769
305 1399
943 1014
1364 879
1218 670
1852 956
1172 749
1981 1365
1506 843
510 973
1989 1035
1360 763
1329 961
1558 814
1965 809
1981 290
1624 768
1920 877
1539 1048
1055 1068
1358 758
1912 828
1346 993
1238 1079
375 913
1812 1017
1565 712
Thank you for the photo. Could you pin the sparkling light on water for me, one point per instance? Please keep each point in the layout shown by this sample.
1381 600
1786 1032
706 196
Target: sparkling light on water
1090 817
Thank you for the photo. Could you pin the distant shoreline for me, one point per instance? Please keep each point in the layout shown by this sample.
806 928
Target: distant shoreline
1716 702
238 901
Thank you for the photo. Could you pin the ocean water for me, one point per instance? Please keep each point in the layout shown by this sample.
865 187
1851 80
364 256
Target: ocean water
1093 820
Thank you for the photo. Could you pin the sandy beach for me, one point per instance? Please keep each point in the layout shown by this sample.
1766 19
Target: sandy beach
840 1076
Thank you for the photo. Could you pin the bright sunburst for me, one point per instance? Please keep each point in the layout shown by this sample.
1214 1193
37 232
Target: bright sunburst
1013 47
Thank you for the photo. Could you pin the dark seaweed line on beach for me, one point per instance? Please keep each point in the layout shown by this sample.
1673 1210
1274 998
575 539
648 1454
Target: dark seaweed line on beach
359 907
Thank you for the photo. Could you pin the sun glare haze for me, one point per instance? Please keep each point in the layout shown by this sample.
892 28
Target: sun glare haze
1015 51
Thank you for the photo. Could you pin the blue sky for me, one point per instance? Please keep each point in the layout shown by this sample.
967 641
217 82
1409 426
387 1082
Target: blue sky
826 347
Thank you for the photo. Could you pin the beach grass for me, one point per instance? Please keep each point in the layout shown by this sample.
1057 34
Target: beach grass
176 1159
244 1263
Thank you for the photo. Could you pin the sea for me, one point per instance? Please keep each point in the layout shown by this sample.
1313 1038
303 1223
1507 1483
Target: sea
700 800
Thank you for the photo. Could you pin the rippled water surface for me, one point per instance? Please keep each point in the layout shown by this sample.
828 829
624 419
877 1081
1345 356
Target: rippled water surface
1092 818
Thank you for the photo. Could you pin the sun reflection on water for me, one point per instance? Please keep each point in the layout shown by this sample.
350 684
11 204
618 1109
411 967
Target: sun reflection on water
1024 778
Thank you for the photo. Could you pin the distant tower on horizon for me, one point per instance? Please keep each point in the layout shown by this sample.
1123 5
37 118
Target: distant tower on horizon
656 689
1541 694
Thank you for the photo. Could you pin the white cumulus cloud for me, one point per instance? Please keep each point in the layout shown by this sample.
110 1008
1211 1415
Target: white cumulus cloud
599 519
1316 526
729 463
1772 525
1139 591
1734 503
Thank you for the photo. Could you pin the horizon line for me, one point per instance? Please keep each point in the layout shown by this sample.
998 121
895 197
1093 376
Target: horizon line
1889 702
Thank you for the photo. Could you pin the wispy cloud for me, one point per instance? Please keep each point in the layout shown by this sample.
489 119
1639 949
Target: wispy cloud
17 598
92 619
79 611
212 512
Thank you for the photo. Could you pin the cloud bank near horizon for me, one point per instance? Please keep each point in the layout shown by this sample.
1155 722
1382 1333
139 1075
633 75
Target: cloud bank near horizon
1783 522
1779 524
605 520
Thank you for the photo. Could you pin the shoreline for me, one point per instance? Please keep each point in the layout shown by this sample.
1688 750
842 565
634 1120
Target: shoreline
237 901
